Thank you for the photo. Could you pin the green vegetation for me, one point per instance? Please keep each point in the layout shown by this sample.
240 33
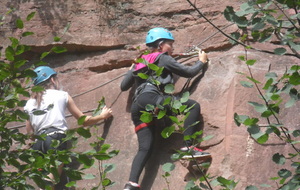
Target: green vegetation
20 164
258 21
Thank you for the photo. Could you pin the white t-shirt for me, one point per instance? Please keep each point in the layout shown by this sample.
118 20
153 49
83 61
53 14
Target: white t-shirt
51 112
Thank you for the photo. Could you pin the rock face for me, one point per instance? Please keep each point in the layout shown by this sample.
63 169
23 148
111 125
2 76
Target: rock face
101 43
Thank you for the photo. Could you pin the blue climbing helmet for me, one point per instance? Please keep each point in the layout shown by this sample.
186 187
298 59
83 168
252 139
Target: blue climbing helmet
43 73
158 33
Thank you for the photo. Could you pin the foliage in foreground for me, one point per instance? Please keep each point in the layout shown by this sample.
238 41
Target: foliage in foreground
259 21
18 164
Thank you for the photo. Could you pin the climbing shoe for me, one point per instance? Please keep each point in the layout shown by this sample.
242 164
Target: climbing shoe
194 152
131 186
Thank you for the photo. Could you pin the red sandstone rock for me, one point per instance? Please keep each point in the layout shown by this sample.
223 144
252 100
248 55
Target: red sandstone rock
100 42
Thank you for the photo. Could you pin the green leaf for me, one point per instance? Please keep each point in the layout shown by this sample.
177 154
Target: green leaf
229 13
275 97
240 119
295 79
89 176
56 39
84 132
19 24
255 35
143 75
241 21
265 185
236 36
251 187
20 49
149 107
71 184
44 55
24 34
40 162
159 71
167 101
262 139
146 117
247 8
174 119
265 38
19 63
109 167
105 147
22 114
267 113
254 130
284 173
259 26
253 80
280 51
50 106
271 20
37 89
223 181
102 156
39 181
106 182
59 49
185 97
9 53
30 16
176 104
246 84
65 158
250 62
279 159
290 103
182 108
242 58
140 60
250 121
168 167
268 84
296 47
176 156
206 138
40 63
161 114
73 174
169 88
153 67
191 186
296 133
168 131
86 160
259 107
14 42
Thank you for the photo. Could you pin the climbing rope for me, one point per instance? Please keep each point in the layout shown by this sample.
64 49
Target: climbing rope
100 85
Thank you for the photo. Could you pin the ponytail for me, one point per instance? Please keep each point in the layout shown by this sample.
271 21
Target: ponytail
38 96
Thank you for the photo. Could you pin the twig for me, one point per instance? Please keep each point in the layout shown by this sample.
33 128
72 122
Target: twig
238 42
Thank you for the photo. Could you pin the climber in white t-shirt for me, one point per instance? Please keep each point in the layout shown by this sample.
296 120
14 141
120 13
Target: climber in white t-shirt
46 110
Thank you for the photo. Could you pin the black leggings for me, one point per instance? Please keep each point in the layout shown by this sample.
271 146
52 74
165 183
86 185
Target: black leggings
45 145
146 135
